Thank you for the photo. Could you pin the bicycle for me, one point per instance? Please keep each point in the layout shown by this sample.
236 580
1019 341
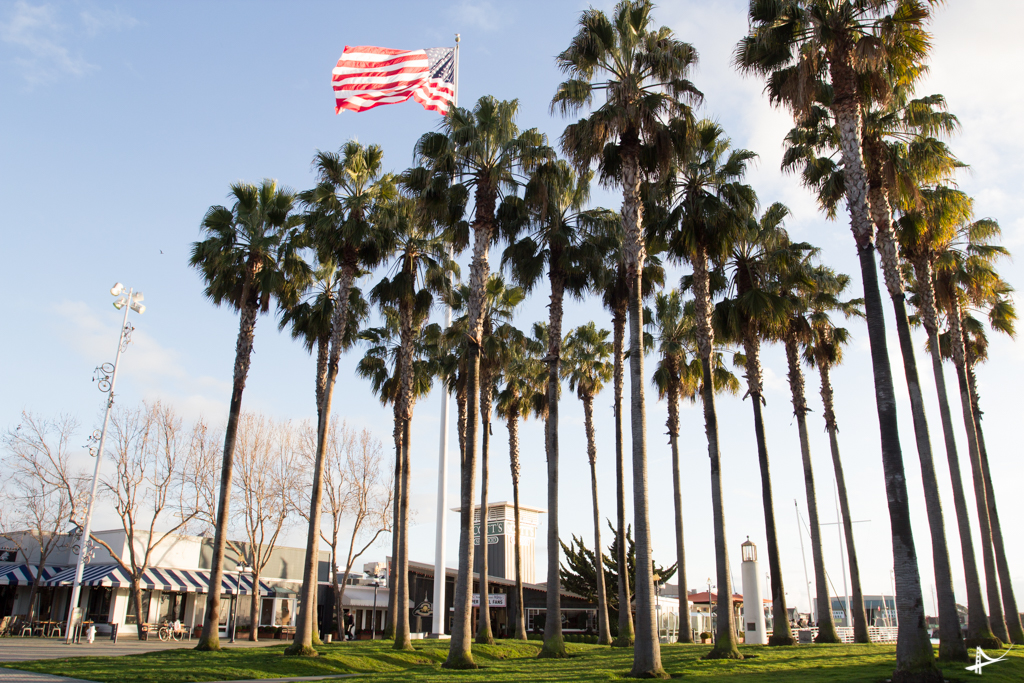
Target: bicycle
167 632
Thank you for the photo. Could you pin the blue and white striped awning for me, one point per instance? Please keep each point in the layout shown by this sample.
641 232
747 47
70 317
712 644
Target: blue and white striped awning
24 574
157 578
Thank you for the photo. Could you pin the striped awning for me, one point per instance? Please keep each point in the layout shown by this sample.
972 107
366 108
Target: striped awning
24 574
157 578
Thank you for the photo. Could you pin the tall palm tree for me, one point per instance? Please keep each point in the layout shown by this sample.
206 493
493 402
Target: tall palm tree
965 277
709 205
349 185
754 312
250 257
523 383
548 232
802 283
1002 315
675 379
795 44
646 84
823 349
922 234
486 148
899 155
587 368
419 269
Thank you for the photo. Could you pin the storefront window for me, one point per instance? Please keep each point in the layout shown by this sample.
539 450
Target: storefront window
99 605
267 612
132 617
172 607
285 610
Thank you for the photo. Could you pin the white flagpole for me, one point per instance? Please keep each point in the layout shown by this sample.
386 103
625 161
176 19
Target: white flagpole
440 613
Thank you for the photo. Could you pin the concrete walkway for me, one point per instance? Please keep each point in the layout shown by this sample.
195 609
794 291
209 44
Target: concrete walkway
14 676
332 677
27 649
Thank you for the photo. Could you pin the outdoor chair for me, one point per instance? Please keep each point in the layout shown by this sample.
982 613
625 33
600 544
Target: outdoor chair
55 629
25 628
39 627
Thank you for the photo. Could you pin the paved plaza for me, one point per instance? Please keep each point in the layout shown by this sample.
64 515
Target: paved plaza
26 649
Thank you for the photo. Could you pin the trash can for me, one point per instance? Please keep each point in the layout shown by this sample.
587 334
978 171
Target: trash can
144 630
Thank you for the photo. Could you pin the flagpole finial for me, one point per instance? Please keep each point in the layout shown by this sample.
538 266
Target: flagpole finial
458 36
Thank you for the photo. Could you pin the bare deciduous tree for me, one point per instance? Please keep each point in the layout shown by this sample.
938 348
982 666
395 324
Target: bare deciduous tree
148 488
356 487
42 489
267 475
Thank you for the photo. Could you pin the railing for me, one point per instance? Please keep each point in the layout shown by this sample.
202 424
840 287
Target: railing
877 634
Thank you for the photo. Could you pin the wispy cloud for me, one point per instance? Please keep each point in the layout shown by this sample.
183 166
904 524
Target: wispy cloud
40 41
482 14
36 34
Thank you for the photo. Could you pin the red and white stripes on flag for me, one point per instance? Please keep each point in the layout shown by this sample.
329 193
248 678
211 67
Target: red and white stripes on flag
367 77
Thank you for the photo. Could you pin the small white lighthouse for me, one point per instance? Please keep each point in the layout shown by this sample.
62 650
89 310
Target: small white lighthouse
753 607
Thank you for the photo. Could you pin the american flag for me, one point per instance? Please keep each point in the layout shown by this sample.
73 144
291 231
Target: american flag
367 77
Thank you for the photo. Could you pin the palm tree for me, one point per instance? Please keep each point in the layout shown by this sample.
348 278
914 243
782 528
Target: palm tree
965 277
486 148
611 283
523 383
349 185
498 335
802 283
898 156
587 368
922 235
709 205
793 44
1002 315
674 379
250 257
823 349
547 229
754 313
646 71
420 268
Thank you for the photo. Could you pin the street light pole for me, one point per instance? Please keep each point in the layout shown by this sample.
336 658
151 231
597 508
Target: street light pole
106 378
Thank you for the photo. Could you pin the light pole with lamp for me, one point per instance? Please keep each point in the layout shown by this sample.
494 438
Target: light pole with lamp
105 377
373 620
240 568
711 625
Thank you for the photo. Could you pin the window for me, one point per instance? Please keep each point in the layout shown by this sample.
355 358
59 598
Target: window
132 618
285 611
267 612
172 607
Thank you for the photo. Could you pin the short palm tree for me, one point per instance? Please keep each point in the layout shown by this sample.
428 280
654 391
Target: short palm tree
795 45
751 313
588 368
966 278
249 259
549 234
645 74
823 350
709 204
486 148
923 233
611 284
349 186
522 392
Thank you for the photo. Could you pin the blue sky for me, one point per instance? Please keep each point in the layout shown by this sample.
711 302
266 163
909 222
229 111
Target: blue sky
123 122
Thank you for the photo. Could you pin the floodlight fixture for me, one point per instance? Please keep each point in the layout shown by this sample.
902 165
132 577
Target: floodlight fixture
116 289
138 308
120 303
137 297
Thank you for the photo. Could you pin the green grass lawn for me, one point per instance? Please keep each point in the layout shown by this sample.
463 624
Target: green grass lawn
507 661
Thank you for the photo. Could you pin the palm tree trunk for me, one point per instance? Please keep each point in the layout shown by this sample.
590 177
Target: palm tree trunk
915 660
647 649
483 634
826 626
460 655
513 456
781 633
303 643
860 623
725 639
554 644
210 639
979 634
396 525
1010 611
604 636
401 619
952 645
995 607
685 632
625 636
